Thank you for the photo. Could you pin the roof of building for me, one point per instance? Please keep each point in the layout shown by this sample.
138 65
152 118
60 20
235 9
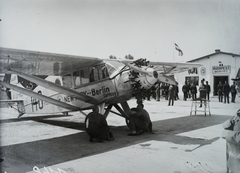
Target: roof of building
216 52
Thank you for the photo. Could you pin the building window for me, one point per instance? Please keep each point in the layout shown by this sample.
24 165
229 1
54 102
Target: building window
192 79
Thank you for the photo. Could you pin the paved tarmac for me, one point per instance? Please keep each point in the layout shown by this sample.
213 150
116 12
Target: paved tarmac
57 143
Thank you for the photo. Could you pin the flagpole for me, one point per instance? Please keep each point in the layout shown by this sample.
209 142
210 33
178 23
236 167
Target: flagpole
173 51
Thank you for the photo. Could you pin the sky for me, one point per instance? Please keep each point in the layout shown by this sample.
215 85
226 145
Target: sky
142 28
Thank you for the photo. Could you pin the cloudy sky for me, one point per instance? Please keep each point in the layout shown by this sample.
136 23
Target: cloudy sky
142 28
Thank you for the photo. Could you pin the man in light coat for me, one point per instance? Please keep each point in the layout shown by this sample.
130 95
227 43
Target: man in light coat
232 136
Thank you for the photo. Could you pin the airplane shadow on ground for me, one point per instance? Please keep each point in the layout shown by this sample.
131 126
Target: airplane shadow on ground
33 118
66 124
66 148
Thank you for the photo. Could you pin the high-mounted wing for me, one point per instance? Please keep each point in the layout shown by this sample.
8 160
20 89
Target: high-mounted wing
169 68
158 70
30 64
42 63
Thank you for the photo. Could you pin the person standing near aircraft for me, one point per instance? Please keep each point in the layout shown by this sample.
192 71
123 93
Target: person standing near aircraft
171 95
98 127
193 90
166 89
208 90
226 90
185 90
176 92
140 121
158 91
233 92
202 92
188 89
220 91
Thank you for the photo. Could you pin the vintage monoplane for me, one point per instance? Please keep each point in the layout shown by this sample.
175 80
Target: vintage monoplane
51 83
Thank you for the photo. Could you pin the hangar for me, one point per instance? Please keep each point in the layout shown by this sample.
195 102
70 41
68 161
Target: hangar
218 66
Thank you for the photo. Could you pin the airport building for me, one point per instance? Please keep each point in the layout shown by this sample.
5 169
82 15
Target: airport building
218 66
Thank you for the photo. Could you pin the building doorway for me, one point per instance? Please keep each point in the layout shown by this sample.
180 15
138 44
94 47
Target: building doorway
217 79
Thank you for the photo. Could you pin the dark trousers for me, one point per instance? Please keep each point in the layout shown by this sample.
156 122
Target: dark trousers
171 98
166 95
226 97
220 97
185 96
208 96
176 96
233 97
158 95
194 96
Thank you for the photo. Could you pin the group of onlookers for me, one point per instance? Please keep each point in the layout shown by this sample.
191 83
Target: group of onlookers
169 92
190 90
223 90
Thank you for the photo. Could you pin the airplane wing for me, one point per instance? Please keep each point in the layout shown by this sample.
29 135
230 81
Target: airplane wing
41 63
159 70
29 64
169 68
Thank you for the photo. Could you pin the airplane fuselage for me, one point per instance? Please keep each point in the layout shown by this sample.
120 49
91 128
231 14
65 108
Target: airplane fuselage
108 91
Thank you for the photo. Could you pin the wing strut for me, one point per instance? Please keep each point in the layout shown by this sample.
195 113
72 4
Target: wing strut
39 96
55 87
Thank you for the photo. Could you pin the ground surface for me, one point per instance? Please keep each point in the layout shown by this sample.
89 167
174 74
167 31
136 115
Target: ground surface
181 143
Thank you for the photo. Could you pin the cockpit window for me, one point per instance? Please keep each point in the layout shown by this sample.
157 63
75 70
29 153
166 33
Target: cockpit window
90 74
110 68
84 73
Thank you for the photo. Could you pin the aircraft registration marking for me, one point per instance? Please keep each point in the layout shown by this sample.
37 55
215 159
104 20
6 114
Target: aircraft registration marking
104 91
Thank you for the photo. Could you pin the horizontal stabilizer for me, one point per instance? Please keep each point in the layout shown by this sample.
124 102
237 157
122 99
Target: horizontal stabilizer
12 103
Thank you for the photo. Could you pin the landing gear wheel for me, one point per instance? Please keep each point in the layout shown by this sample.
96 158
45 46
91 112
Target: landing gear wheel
86 123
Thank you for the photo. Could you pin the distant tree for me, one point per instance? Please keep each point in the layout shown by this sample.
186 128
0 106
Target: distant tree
112 57
129 57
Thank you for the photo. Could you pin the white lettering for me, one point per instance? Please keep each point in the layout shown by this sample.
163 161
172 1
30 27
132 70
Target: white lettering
48 170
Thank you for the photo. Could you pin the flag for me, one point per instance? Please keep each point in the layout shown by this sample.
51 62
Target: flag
180 52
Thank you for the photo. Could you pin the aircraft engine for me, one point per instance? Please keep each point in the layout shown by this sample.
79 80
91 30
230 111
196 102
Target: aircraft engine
146 81
142 76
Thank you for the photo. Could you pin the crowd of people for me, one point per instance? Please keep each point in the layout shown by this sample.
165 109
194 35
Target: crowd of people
224 90
191 92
